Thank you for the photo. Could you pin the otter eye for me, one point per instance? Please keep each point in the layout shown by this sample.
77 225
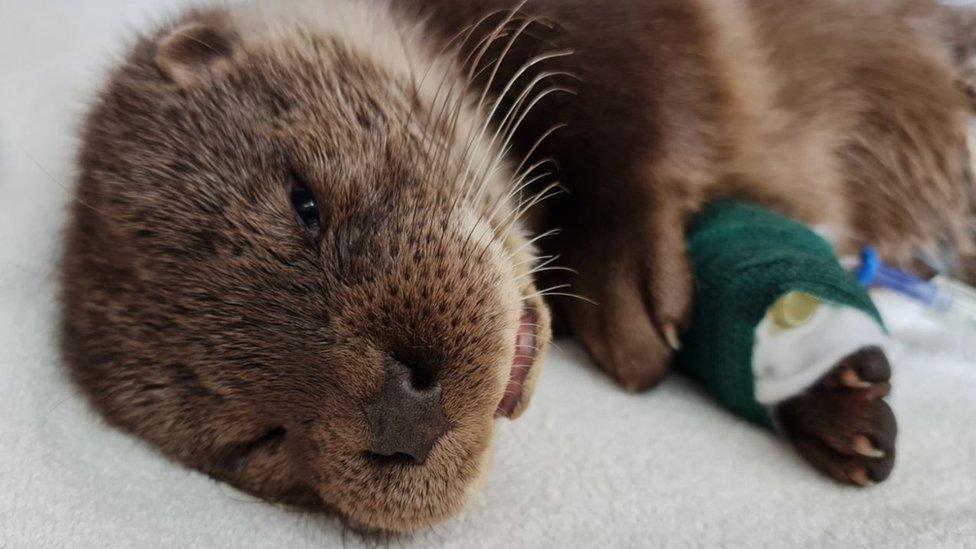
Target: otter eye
304 204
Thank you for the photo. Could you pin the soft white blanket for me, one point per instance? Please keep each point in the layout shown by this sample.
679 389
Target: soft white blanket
587 465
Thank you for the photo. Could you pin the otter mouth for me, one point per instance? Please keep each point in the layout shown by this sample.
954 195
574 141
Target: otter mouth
525 354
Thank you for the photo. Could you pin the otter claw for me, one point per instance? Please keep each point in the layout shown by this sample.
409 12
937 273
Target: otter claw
859 476
671 336
863 446
849 378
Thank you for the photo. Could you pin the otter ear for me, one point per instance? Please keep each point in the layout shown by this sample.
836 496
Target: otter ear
191 51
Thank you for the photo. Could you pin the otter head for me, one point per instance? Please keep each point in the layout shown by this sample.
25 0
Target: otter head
296 262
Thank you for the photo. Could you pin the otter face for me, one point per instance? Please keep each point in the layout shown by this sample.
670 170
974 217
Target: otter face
297 268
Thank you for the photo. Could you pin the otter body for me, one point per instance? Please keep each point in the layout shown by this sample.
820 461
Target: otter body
303 256
848 116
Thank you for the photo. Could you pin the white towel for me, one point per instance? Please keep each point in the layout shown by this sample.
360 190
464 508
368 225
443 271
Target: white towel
588 465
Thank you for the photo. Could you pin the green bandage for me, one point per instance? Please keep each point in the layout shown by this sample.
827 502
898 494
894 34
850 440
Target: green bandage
743 259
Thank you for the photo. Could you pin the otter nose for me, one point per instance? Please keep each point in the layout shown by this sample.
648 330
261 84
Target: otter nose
405 417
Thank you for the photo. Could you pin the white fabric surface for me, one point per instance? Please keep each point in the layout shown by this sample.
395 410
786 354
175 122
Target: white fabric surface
588 465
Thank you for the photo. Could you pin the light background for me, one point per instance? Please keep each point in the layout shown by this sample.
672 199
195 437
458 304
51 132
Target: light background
587 465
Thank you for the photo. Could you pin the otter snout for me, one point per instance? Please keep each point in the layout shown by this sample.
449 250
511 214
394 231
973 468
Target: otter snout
405 417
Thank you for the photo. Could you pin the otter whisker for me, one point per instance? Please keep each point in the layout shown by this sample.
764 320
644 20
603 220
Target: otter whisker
455 101
527 89
475 134
504 199
484 45
566 294
510 131
517 187
530 242
533 259
475 70
521 183
467 32
71 194
545 263
484 166
414 87
547 269
551 288
497 65
474 62
535 145
521 98
502 126
528 109
547 192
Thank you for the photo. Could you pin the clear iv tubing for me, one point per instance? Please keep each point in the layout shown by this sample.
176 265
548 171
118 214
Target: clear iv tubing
950 298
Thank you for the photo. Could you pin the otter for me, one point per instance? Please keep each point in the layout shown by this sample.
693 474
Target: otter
314 246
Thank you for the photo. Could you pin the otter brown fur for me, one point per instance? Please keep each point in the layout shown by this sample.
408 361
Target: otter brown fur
204 313
201 315
845 115
850 116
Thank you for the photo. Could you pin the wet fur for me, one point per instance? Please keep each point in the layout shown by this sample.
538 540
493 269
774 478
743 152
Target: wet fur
199 316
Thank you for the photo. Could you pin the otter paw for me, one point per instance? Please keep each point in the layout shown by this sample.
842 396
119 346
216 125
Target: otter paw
842 425
624 328
638 280
621 337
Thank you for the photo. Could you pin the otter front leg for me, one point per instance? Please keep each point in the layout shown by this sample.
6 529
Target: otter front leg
633 267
